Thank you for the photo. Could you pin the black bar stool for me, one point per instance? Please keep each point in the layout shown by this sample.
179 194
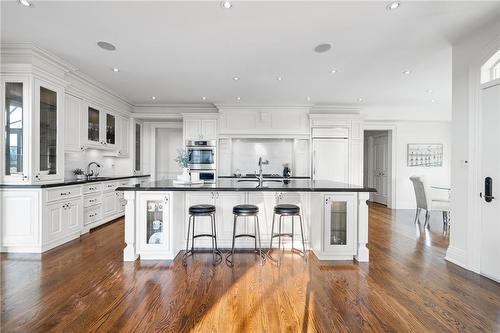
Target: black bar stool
246 210
284 210
202 210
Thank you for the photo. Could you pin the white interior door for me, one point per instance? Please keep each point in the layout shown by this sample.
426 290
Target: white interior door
490 165
380 169
331 160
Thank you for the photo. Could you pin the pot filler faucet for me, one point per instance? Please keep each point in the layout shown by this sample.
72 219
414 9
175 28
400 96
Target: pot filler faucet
260 177
89 173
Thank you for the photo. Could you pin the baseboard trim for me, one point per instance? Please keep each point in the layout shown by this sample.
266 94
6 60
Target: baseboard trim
456 256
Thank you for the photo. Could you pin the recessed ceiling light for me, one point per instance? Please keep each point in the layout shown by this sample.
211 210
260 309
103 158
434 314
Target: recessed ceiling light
279 78
116 69
406 72
106 46
308 98
204 98
25 3
238 98
433 101
393 5
153 97
429 91
236 78
360 99
321 48
333 71
226 4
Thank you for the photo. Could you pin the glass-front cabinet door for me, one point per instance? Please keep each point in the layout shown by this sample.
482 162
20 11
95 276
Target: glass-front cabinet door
15 135
93 125
339 224
48 138
110 129
154 230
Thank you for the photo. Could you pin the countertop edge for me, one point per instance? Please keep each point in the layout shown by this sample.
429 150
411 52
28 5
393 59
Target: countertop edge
242 189
69 183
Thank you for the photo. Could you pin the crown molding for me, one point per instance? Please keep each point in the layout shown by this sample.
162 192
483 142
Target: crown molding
335 109
175 108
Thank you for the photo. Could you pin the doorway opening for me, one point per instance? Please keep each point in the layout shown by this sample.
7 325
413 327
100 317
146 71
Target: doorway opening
377 165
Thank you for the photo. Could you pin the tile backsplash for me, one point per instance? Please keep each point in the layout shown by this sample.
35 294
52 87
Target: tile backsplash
110 166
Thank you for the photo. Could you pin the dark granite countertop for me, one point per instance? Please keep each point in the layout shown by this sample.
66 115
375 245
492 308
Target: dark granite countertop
70 182
232 184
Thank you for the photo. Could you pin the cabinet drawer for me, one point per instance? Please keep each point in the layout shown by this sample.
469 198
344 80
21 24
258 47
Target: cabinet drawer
110 186
91 215
63 193
92 187
92 200
125 182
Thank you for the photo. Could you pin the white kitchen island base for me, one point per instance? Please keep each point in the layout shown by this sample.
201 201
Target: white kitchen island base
335 217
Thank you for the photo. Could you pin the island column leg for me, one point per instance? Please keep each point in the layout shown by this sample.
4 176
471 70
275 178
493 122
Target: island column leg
130 253
363 254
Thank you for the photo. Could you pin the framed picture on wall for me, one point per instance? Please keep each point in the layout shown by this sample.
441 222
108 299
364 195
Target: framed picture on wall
425 155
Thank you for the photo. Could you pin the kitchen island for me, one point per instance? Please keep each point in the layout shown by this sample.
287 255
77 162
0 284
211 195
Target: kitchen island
335 215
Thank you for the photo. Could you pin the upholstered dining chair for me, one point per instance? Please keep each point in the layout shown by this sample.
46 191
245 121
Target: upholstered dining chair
429 205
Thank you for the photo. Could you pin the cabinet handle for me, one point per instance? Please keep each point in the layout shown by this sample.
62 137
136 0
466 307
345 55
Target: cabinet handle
65 193
37 176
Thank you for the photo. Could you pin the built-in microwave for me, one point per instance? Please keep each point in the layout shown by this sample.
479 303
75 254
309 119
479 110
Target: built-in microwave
201 155
208 176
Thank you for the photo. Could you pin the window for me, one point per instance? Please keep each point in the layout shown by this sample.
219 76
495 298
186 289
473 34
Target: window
491 69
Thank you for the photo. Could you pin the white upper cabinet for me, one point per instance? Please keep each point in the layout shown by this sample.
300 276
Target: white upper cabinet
200 129
209 129
48 132
123 130
15 122
72 123
100 128
292 122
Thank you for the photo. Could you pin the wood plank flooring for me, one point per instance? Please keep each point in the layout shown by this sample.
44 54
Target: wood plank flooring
84 286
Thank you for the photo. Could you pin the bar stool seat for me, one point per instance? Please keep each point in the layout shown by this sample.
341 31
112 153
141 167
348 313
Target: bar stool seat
286 209
202 209
245 210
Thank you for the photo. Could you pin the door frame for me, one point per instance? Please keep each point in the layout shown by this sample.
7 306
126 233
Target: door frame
471 259
370 166
152 142
392 129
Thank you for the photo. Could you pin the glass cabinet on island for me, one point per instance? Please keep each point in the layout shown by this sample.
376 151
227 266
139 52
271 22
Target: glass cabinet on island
340 224
154 234
32 123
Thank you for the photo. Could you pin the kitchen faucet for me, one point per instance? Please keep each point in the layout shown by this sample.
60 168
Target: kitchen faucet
90 174
260 177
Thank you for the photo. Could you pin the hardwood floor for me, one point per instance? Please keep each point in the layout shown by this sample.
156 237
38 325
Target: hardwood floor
407 286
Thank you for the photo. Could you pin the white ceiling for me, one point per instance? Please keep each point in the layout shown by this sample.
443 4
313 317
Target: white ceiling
181 51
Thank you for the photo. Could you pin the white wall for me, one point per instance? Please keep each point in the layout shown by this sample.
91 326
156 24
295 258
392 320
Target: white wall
417 131
468 55
420 132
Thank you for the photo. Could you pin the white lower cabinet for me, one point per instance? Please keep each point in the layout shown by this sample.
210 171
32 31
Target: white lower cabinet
266 202
202 223
109 204
339 226
62 221
35 220
224 203
154 233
